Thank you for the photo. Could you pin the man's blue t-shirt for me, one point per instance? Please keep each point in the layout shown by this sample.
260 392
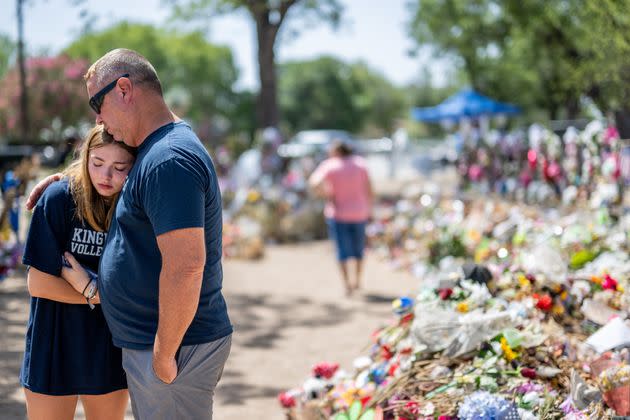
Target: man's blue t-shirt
172 185
69 349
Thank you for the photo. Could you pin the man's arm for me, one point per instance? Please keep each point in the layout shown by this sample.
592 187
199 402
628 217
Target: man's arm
38 190
183 259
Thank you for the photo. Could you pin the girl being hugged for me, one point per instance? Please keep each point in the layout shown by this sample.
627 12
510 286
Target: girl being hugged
69 351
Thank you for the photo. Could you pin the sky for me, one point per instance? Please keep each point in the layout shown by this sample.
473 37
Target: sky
373 31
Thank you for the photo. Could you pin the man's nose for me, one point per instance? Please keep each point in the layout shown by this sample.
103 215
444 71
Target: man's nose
99 120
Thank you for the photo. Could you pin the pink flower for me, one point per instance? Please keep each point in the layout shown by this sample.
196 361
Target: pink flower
609 283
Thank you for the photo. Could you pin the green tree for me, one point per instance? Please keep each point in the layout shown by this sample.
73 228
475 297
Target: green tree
7 49
327 93
197 77
545 54
268 16
379 100
529 52
603 73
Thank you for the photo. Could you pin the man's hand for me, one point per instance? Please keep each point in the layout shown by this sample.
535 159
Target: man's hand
36 192
75 275
165 368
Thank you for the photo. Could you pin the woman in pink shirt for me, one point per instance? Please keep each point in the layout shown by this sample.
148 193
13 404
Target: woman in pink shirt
344 181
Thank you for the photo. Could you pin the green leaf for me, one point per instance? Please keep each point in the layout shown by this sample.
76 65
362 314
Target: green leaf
342 416
440 389
368 415
513 337
355 410
580 258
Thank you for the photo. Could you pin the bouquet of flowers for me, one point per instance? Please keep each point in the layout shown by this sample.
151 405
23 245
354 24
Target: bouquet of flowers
10 252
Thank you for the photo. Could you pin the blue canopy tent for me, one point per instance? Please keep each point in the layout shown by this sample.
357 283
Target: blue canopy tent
464 104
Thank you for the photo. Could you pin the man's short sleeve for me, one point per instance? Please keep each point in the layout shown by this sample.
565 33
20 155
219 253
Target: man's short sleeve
48 230
174 196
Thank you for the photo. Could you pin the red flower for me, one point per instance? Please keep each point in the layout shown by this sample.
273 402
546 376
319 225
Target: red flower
406 318
392 369
413 407
365 400
609 283
325 370
544 303
406 350
286 400
386 353
528 373
445 293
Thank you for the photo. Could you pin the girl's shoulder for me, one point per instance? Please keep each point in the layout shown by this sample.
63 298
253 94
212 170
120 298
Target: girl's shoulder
57 193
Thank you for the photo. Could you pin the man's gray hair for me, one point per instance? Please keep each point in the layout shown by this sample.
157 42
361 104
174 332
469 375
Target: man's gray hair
124 61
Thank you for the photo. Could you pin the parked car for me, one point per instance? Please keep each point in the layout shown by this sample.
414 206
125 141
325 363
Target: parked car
314 143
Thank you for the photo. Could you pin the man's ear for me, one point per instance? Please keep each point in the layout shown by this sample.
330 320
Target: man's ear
126 87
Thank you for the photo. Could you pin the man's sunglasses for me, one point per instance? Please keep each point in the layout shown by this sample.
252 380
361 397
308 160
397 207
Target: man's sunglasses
96 101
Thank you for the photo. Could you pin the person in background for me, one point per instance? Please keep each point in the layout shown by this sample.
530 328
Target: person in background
69 351
344 182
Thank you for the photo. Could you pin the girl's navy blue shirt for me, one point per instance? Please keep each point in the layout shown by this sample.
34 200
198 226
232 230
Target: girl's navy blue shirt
69 348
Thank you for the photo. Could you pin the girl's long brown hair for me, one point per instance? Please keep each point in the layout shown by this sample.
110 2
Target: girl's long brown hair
91 207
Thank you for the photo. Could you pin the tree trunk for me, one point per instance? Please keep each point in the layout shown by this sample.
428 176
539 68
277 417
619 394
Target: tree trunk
24 120
622 120
267 105
470 65
573 108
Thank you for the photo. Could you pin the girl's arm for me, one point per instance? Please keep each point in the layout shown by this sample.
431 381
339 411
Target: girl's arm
43 285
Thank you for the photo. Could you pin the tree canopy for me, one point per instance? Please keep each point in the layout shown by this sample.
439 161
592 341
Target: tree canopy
197 77
268 17
328 93
540 54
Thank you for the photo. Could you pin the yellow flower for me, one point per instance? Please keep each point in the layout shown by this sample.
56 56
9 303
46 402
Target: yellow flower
508 353
253 196
481 255
523 281
352 394
474 235
462 307
558 309
5 233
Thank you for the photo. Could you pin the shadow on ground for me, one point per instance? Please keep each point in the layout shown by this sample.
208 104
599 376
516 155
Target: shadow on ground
263 321
14 306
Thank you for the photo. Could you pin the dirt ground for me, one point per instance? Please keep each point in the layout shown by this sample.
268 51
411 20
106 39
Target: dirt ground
288 310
